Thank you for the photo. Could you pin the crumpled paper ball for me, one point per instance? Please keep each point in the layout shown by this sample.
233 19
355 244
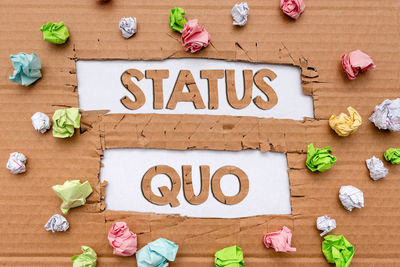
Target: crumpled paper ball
157 253
376 168
40 122
26 68
345 125
56 33
392 155
355 62
325 224
194 36
229 257
280 240
73 194
240 13
122 240
319 159
128 27
57 223
293 8
387 115
338 250
88 258
351 197
176 19
64 122
16 163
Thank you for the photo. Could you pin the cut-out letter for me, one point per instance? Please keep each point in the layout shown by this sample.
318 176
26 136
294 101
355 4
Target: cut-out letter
216 185
169 196
212 76
126 79
157 76
231 93
188 185
185 77
266 89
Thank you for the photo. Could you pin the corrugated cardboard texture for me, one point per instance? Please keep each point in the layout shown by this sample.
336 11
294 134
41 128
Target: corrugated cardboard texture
315 42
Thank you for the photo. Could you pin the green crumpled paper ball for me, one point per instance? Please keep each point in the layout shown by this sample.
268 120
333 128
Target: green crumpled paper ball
176 20
64 122
56 33
392 155
319 159
229 257
72 193
88 258
337 250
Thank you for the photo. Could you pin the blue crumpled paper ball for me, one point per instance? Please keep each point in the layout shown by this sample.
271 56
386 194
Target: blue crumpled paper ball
157 253
26 68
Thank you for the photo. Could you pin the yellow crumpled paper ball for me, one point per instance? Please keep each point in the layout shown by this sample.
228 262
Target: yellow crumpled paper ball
345 125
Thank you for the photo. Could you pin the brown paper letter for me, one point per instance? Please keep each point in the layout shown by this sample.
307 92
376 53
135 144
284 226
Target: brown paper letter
216 186
169 196
157 76
266 89
188 185
231 89
212 76
185 77
133 88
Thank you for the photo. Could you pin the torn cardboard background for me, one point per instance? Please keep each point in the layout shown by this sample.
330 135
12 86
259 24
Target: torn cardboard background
315 42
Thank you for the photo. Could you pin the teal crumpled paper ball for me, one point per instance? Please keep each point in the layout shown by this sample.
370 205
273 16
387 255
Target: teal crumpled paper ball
26 68
157 253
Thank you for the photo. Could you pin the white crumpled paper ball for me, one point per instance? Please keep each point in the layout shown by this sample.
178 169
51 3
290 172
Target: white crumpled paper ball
57 223
40 122
127 27
325 224
240 13
387 115
16 163
351 197
376 168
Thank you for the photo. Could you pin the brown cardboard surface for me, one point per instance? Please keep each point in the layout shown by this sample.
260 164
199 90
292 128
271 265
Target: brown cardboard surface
315 42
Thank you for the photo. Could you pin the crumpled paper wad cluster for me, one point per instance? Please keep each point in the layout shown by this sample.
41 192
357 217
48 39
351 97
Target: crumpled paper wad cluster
387 115
344 125
16 163
319 159
356 62
351 197
56 33
338 250
122 240
392 155
194 37
57 223
240 13
26 68
176 19
64 122
157 253
280 240
229 257
88 258
73 194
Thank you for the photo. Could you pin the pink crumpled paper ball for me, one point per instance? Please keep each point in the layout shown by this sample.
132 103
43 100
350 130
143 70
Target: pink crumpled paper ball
355 62
194 36
293 8
122 240
280 240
